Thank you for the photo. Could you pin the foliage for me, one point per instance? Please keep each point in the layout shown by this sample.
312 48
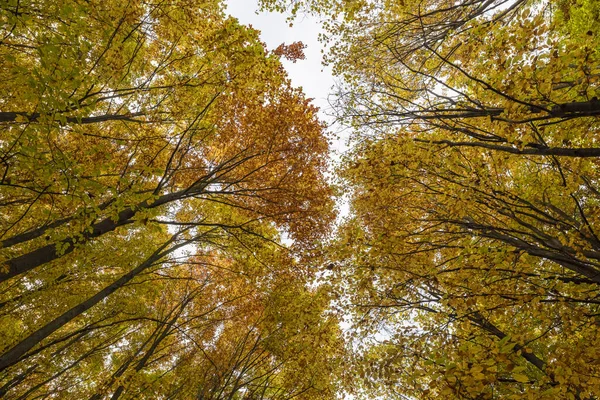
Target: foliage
470 260
152 155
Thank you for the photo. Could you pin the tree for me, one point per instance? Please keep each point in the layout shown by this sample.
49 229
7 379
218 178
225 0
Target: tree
413 64
462 308
472 247
147 147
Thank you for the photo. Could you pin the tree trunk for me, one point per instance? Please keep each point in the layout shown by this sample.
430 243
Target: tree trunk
16 353
27 262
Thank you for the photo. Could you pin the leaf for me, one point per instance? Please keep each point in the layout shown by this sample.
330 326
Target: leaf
521 378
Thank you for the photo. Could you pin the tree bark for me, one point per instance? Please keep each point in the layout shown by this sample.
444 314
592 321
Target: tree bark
16 353
27 262
11 116
526 150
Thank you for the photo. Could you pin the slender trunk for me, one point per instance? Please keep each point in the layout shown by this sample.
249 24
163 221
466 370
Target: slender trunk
166 328
27 262
17 380
11 116
577 109
36 233
585 152
99 347
487 326
581 268
16 353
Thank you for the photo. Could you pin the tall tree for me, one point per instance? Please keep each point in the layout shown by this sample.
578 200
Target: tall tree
472 247
152 155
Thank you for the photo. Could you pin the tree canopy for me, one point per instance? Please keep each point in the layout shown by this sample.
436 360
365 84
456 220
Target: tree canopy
154 156
470 258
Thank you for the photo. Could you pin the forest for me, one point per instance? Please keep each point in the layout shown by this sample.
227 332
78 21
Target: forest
170 220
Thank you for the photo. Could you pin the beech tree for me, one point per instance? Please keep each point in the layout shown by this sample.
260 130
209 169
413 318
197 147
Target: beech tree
153 154
472 243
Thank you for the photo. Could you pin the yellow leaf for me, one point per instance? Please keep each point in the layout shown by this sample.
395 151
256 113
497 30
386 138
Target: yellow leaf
521 378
